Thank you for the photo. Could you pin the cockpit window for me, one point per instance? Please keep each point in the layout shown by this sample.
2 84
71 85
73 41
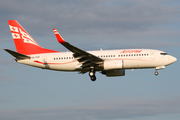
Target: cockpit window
163 53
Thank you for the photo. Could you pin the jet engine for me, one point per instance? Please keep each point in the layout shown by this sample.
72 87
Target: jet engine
113 64
113 73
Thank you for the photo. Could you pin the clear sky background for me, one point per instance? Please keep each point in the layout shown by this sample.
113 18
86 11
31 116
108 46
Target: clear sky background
28 93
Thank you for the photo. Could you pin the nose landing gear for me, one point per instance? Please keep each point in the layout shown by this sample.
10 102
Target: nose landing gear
156 72
158 68
92 74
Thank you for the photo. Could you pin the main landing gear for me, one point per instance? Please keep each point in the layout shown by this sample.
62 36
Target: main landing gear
92 74
156 72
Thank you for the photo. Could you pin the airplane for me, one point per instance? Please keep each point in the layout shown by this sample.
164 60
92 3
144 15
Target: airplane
109 62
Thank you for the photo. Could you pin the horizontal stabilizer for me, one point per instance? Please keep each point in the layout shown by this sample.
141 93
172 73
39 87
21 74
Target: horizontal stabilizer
17 55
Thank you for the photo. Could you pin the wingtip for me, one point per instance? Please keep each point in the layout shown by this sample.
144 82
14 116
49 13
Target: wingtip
58 36
55 31
5 49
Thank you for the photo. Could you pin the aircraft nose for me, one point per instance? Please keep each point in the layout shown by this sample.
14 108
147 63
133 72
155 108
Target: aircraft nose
173 59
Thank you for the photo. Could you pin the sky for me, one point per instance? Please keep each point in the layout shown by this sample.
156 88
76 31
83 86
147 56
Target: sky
28 93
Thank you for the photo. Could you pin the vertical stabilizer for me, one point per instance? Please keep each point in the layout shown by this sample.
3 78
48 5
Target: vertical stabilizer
24 43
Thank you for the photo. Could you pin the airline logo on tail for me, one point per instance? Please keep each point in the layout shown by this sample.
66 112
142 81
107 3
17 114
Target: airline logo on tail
24 43
13 29
17 33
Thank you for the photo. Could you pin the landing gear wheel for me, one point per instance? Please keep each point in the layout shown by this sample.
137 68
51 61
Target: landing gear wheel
92 74
156 73
93 78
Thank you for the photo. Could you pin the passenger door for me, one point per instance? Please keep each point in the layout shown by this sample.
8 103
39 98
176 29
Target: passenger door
152 55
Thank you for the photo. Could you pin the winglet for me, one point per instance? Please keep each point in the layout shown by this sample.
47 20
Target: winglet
58 36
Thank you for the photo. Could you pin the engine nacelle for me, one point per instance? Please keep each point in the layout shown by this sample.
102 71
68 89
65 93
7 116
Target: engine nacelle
113 64
113 73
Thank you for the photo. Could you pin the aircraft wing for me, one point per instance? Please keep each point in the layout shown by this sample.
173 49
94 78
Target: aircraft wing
84 58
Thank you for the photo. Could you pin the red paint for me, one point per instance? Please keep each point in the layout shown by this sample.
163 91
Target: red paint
53 63
58 36
131 51
15 35
25 44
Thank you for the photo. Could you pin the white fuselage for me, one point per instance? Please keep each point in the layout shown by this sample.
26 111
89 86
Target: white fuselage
132 59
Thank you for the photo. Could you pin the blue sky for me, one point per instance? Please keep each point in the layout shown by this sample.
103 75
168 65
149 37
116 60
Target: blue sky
28 93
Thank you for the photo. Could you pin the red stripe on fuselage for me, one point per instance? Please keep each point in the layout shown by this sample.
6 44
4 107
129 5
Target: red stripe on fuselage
53 63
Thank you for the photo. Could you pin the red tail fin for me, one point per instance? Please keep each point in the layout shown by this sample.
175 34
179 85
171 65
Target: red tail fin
24 43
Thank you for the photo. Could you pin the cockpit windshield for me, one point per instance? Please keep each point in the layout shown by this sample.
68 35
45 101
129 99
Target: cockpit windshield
163 53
